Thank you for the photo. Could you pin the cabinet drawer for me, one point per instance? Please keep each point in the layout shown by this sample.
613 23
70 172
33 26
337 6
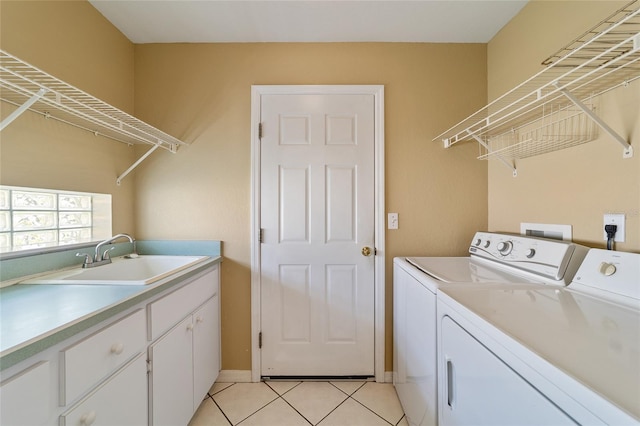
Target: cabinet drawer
88 361
168 311
121 400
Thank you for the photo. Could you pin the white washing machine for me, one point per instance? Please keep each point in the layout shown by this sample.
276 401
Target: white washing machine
536 355
493 258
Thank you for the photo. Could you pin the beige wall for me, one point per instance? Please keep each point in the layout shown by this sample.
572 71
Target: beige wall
201 93
72 41
578 185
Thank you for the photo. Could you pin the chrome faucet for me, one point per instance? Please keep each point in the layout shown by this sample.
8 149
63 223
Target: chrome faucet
104 257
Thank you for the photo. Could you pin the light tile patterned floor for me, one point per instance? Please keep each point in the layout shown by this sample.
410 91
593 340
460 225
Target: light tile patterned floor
276 403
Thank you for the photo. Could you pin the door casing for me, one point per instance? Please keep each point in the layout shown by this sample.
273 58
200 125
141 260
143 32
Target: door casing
379 214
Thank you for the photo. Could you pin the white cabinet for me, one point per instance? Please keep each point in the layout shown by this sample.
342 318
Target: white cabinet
83 364
121 400
414 345
206 349
185 361
171 379
19 393
100 375
476 387
166 312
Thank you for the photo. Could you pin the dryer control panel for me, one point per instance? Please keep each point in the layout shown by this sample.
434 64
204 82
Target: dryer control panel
611 272
553 259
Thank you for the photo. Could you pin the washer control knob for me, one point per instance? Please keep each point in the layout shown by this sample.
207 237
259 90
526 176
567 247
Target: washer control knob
607 269
487 244
505 247
478 241
531 253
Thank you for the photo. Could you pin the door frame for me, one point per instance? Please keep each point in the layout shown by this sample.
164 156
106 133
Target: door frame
257 91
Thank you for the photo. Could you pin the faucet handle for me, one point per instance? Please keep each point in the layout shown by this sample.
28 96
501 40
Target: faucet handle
105 255
87 258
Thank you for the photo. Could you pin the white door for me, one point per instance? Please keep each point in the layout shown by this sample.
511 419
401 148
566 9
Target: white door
317 217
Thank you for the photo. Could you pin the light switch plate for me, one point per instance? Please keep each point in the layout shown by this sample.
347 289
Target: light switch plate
618 220
392 220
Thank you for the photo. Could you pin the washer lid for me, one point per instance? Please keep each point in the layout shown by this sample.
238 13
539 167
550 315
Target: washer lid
594 341
464 270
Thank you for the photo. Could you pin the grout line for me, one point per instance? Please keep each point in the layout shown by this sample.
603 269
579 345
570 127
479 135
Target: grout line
268 387
348 394
215 393
220 408
294 409
393 424
287 391
402 418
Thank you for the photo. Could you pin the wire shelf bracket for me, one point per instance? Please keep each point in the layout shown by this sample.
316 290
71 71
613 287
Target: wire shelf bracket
134 165
604 58
498 156
628 149
22 108
29 88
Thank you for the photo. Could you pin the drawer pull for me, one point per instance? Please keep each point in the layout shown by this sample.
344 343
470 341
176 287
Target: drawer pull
190 327
88 418
117 348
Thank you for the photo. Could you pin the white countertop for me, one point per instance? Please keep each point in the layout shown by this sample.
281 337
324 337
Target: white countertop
31 314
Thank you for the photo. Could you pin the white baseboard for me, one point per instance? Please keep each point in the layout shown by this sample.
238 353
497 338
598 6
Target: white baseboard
234 376
244 376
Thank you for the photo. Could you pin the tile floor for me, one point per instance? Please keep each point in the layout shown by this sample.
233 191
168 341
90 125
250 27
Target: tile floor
280 403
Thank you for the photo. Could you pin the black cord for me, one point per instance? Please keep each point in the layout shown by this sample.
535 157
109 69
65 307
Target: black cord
611 234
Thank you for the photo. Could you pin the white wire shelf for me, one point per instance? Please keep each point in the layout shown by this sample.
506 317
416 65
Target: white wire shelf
29 88
605 57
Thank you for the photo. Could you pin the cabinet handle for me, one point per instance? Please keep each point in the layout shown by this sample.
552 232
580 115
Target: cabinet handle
450 383
199 319
88 418
117 348
190 327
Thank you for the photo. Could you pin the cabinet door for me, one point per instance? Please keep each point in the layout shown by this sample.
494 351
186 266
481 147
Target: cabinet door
25 398
171 378
206 363
121 400
477 388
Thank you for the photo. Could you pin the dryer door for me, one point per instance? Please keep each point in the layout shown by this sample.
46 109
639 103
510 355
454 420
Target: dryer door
476 387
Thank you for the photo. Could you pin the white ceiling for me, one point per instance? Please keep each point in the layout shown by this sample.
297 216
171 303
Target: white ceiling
203 21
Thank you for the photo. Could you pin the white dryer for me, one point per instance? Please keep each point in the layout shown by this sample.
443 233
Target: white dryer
493 258
525 354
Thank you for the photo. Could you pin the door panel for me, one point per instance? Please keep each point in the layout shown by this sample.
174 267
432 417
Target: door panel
341 194
317 212
293 209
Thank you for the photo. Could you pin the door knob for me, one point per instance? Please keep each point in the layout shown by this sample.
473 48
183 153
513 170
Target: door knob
366 251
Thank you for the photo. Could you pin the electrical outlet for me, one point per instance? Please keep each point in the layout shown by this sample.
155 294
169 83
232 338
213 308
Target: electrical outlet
392 220
618 220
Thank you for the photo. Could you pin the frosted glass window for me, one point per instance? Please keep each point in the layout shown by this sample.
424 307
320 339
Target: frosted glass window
21 200
5 197
5 221
32 218
24 221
